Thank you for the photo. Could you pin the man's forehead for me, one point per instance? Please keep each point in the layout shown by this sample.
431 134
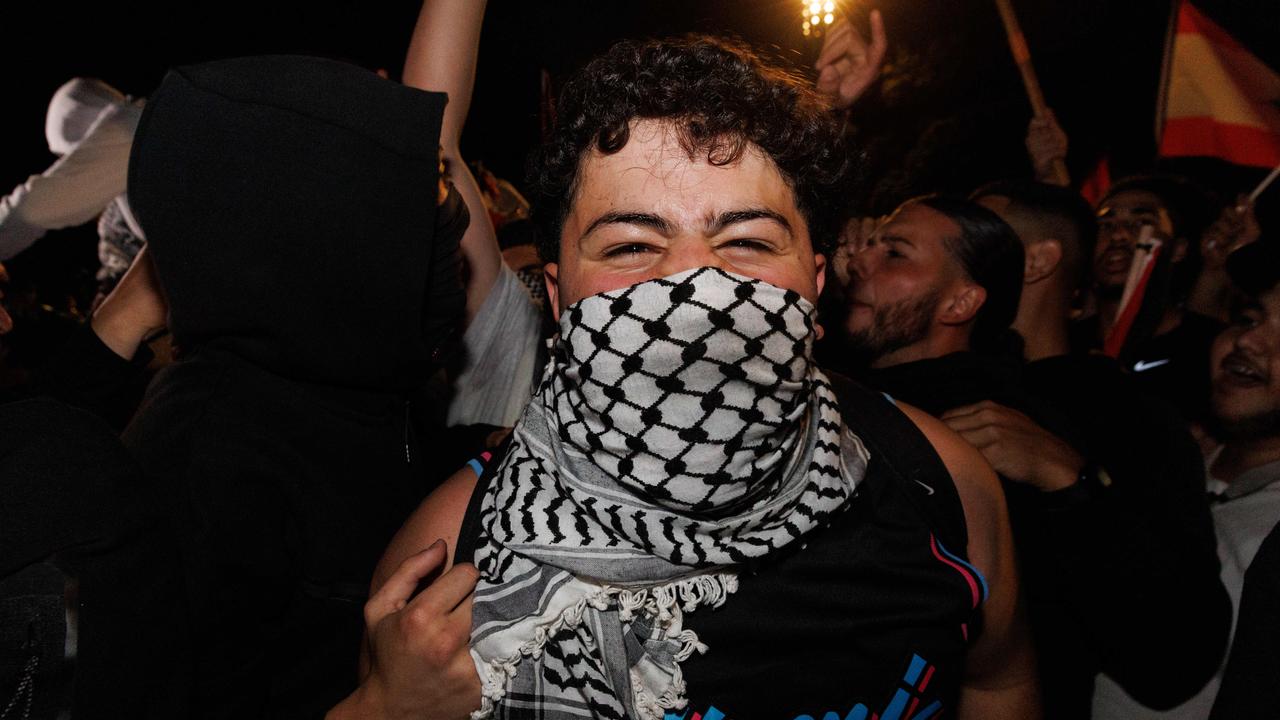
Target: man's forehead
1265 303
654 174
1131 202
921 223
655 155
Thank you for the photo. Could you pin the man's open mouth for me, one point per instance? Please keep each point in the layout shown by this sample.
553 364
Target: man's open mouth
1241 371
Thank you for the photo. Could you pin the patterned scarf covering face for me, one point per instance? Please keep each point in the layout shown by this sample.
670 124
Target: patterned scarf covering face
681 430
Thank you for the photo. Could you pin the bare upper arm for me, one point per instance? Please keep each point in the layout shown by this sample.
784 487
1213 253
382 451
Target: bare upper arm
438 517
979 490
1000 671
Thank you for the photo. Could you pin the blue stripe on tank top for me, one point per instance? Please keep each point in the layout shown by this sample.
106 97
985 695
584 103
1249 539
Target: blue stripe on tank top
982 581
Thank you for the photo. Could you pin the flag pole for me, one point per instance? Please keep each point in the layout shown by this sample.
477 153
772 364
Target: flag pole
1166 69
1262 186
1022 56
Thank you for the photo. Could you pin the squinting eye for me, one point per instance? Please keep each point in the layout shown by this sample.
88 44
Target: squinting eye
628 249
747 243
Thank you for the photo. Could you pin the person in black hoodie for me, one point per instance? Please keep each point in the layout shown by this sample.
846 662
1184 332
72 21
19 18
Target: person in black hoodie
309 253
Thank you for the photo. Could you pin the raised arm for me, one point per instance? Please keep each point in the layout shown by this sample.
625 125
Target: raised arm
1235 227
442 58
1047 145
848 64
73 190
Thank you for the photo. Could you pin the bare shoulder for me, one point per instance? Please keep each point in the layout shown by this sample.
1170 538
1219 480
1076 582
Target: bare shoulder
977 485
439 516
1000 676
976 482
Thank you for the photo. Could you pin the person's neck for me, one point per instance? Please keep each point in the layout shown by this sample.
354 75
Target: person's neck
926 349
1043 324
1239 457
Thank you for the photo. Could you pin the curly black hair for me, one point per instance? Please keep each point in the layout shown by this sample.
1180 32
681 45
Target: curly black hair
720 96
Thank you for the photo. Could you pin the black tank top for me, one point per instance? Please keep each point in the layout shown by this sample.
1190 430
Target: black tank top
869 618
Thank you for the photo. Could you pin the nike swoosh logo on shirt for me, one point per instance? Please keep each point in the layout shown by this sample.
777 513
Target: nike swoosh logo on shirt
926 487
1142 365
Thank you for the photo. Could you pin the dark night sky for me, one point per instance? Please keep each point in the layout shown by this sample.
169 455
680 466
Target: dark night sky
1099 61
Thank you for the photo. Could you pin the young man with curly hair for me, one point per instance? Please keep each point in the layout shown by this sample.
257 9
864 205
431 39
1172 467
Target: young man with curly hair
690 516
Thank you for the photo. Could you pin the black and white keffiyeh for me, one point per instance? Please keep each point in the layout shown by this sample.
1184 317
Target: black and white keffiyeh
681 430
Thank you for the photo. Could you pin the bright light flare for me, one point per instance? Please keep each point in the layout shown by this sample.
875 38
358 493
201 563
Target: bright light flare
817 15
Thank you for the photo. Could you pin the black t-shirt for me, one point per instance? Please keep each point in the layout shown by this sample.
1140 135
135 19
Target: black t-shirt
1173 366
1106 572
1113 571
870 616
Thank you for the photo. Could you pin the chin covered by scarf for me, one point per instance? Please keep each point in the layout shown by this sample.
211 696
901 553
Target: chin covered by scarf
681 430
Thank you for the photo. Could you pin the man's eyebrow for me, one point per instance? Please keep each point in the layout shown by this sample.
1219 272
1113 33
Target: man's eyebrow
647 220
732 217
895 240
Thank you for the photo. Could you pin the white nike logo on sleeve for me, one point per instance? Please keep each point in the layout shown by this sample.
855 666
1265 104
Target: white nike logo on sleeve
1142 365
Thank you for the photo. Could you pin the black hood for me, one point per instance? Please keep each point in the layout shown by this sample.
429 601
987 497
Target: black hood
290 204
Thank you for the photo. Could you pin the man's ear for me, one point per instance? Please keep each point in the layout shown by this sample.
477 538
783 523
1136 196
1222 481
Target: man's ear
551 276
1180 247
962 305
1043 260
820 267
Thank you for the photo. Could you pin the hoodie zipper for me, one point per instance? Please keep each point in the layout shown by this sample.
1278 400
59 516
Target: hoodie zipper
408 457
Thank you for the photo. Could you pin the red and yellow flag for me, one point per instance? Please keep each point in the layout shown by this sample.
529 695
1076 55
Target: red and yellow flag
1219 99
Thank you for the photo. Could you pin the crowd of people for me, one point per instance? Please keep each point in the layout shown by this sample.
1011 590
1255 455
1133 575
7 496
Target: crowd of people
354 429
